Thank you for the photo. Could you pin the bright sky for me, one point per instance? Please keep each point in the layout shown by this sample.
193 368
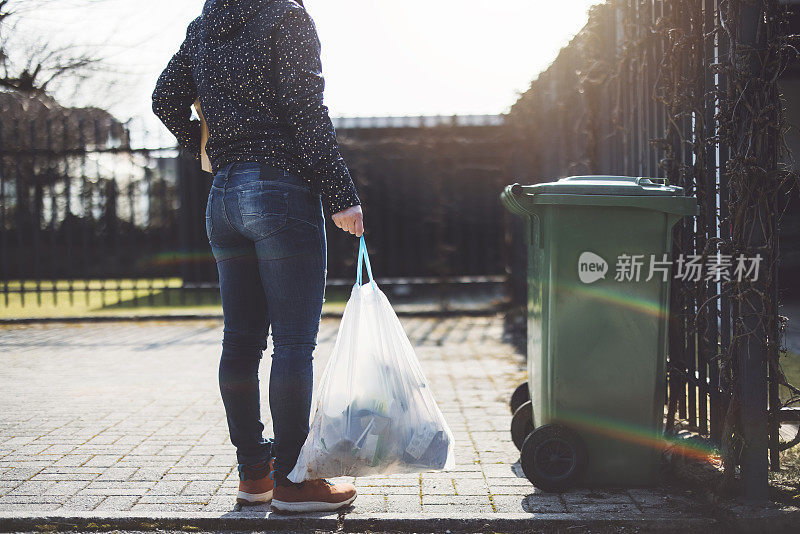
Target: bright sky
380 57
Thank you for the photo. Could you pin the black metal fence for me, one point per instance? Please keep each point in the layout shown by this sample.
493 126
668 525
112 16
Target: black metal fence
431 199
686 90
98 213
83 212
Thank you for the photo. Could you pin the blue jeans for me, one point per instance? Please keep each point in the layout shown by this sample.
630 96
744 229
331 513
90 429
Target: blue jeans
267 233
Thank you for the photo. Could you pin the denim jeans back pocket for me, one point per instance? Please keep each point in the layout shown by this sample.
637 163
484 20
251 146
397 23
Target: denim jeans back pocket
263 210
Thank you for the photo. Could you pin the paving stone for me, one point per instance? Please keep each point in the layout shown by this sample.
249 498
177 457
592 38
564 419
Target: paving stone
501 470
165 487
82 502
653 498
33 499
190 477
456 509
597 496
388 490
371 504
544 504
117 474
221 470
103 460
603 508
438 487
378 490
454 499
387 483
114 492
508 503
511 490
470 486
31 487
19 473
198 460
176 499
127 417
65 487
449 475
403 504
6 485
201 488
172 507
38 507
117 503
220 504
73 460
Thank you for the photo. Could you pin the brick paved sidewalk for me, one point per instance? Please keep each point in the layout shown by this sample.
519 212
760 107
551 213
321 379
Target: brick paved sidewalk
126 418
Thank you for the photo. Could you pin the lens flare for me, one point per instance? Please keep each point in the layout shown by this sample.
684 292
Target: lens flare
631 433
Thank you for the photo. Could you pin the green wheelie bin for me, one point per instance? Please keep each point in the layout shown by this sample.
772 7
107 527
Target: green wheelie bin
599 271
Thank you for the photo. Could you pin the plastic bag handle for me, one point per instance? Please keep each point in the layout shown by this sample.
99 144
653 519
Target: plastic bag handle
363 257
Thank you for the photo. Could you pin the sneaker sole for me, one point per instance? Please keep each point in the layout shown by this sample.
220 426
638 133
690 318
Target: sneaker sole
310 506
247 499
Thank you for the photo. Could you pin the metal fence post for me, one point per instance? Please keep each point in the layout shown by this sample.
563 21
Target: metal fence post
752 355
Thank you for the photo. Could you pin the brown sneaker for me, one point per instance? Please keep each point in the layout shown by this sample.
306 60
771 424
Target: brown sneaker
255 484
312 496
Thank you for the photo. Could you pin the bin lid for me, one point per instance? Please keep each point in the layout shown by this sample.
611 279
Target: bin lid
607 185
625 191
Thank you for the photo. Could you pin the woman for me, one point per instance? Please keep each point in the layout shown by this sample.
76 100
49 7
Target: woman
255 67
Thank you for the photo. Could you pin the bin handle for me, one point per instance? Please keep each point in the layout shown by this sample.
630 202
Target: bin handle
663 181
511 197
610 178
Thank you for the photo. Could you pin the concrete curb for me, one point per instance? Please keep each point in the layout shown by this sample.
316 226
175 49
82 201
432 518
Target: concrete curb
260 521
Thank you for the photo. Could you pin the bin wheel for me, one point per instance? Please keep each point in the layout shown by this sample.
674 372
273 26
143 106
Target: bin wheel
522 424
520 396
554 458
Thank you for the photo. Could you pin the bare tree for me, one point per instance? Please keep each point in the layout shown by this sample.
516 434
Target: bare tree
30 66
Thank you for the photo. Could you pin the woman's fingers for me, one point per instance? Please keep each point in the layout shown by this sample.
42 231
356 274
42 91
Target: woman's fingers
350 220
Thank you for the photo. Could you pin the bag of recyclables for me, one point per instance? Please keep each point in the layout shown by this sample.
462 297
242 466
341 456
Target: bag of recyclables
374 413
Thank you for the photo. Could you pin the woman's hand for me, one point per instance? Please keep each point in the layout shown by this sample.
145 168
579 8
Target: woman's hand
350 220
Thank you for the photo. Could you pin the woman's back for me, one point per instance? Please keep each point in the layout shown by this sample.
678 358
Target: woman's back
234 78
254 64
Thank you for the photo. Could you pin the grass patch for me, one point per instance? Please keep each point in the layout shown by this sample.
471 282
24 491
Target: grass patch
97 298
790 364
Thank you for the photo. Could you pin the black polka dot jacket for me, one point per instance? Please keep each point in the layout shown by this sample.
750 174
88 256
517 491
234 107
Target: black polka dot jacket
255 66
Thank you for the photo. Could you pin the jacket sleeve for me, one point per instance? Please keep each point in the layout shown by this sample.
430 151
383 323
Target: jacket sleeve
174 95
298 74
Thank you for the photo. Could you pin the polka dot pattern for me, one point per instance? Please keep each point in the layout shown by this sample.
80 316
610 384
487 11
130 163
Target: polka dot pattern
255 66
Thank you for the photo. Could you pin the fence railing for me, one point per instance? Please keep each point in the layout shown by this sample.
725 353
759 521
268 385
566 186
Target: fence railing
686 90
92 216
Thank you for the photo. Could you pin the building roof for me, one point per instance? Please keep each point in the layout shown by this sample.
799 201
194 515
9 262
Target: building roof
426 121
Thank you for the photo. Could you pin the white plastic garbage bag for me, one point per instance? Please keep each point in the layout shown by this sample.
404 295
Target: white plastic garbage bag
374 412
